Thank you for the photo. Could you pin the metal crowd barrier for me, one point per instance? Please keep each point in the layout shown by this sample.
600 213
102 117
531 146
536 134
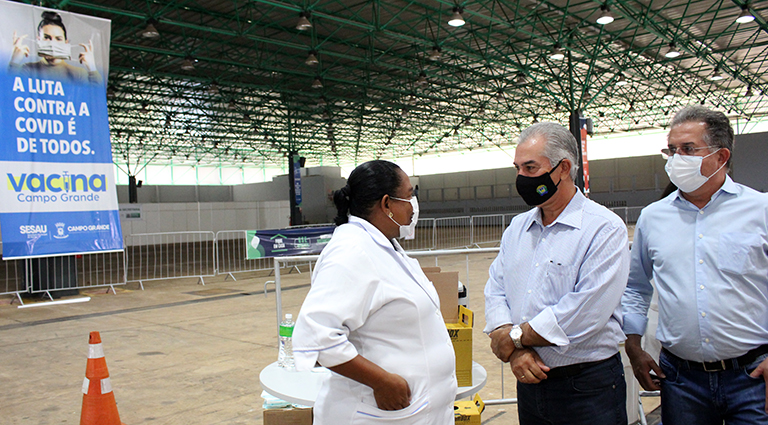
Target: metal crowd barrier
231 253
628 214
11 279
486 229
155 256
62 273
453 232
424 238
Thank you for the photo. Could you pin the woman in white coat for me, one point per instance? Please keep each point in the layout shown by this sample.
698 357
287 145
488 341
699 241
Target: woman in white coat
372 316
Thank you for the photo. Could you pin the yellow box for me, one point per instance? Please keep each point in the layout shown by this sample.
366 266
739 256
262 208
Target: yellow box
468 412
461 337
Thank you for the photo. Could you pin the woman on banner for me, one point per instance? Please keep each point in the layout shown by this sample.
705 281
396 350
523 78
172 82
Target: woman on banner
54 50
372 316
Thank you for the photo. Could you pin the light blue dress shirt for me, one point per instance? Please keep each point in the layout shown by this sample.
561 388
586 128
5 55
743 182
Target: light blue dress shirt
710 267
564 279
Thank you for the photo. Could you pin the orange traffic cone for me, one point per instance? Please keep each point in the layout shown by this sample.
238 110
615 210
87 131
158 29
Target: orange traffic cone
99 406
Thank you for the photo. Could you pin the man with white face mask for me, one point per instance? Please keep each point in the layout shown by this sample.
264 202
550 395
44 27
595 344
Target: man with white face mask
706 248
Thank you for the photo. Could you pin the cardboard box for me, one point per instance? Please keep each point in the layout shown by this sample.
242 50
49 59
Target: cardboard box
461 337
468 412
289 416
447 286
430 270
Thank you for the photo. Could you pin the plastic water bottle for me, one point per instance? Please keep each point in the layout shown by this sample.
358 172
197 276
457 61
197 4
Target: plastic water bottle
285 356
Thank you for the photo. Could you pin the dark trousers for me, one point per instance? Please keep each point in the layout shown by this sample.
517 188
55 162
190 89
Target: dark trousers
711 398
595 396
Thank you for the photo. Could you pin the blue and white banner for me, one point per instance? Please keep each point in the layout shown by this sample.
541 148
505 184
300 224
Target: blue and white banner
287 242
57 194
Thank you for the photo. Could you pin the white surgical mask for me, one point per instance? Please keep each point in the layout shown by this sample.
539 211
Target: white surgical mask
54 49
406 231
685 171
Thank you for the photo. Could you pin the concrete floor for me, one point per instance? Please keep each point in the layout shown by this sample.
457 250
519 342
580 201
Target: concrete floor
179 352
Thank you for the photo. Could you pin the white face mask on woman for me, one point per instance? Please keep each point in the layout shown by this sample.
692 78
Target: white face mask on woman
409 229
685 171
54 49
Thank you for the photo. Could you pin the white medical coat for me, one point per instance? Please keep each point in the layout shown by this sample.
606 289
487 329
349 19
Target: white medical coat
369 298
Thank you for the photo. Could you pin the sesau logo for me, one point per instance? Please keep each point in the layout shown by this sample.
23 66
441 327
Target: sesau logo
34 229
61 233
65 182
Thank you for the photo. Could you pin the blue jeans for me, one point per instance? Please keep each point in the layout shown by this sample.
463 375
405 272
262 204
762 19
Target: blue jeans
693 397
596 396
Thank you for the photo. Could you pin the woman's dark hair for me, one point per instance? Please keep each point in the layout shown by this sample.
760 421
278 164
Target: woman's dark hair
51 18
366 185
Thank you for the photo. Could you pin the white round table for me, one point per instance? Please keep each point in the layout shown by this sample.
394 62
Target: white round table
303 387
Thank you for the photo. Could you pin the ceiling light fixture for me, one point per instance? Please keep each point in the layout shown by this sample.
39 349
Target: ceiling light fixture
456 19
672 51
303 24
151 32
745 16
317 83
557 53
435 53
520 77
621 80
188 64
312 58
605 15
716 76
668 94
749 91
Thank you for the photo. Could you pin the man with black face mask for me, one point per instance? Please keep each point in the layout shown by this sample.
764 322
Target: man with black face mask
552 298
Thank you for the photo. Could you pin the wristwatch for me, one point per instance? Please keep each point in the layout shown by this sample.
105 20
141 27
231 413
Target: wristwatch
517 336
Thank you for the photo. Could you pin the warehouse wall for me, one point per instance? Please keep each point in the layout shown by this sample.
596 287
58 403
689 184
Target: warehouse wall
750 160
207 216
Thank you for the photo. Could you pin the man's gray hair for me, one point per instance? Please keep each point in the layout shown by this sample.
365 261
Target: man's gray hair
560 143
719 131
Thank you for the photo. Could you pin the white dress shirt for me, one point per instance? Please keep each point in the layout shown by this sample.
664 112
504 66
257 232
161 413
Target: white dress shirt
710 267
565 279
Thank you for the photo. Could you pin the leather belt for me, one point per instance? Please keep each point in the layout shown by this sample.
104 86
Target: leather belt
721 365
574 369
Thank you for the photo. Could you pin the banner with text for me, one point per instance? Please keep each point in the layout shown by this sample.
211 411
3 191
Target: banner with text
287 242
58 192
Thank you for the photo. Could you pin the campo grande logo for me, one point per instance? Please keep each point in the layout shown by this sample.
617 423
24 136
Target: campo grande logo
61 233
542 190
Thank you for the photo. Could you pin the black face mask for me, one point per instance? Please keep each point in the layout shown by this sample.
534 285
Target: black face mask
537 190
